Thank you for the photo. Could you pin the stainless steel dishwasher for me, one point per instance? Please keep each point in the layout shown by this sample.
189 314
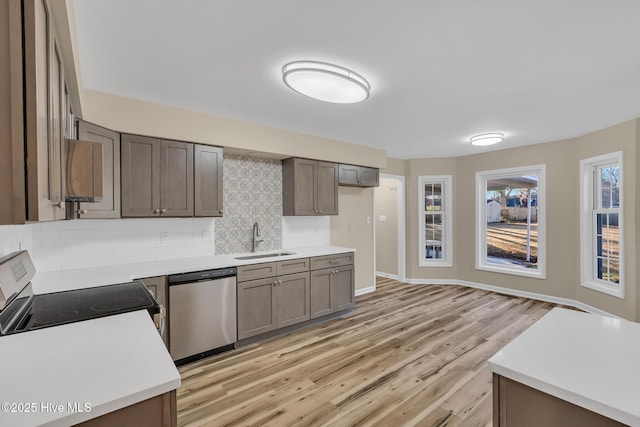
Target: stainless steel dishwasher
202 313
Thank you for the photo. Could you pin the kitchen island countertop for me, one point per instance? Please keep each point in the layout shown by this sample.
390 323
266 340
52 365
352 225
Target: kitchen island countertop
589 360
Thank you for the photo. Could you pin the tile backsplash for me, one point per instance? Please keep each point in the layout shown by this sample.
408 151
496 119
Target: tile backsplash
252 193
65 245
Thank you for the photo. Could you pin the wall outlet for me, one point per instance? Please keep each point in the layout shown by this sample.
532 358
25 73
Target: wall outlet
164 238
382 218
368 220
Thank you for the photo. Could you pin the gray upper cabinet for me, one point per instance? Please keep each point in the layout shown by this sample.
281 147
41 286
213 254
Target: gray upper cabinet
176 178
207 180
45 114
309 187
109 206
157 177
358 176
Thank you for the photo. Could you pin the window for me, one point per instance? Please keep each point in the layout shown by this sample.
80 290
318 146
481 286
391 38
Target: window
510 215
601 225
435 221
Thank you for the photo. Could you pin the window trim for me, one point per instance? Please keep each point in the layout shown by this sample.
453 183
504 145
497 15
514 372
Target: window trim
588 277
481 220
447 217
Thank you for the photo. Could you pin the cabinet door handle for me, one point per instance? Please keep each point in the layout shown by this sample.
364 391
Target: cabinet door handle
319 211
220 212
156 211
59 205
163 211
82 212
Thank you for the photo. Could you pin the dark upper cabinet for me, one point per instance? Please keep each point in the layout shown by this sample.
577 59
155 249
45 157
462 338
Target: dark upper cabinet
358 176
45 114
176 178
109 206
309 187
157 177
207 181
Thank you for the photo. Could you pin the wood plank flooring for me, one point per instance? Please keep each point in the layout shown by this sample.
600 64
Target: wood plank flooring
407 355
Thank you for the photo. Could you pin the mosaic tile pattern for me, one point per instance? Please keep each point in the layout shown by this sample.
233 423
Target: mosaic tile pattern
252 193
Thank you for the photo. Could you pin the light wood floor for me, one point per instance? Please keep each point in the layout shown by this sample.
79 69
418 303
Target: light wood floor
408 355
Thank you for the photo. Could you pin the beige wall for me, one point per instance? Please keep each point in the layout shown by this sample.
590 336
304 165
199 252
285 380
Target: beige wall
395 167
562 217
350 229
562 159
386 204
416 168
146 118
622 137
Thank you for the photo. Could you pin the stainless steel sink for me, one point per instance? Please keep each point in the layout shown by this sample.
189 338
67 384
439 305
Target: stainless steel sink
267 255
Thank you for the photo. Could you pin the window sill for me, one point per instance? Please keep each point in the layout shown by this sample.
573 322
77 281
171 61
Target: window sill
440 263
617 292
536 274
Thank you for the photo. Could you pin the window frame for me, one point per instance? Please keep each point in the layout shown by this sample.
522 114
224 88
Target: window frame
481 220
446 181
588 215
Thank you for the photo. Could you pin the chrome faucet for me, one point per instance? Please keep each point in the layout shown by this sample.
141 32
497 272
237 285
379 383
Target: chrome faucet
256 235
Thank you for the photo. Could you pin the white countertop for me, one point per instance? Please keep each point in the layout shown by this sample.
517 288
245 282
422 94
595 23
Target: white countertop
107 363
589 360
55 281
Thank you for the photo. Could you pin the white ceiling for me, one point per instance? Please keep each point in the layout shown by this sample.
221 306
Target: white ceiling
440 71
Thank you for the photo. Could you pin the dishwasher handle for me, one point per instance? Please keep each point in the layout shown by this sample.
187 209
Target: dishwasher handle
201 276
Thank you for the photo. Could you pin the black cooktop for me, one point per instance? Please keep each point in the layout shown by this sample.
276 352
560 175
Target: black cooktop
28 312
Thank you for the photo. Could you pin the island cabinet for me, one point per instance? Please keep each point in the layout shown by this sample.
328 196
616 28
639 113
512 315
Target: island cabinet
332 284
159 411
157 177
358 176
515 404
109 206
272 296
309 187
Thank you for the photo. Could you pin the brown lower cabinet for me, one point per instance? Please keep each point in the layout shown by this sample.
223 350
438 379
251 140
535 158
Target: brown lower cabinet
517 405
159 411
332 290
272 303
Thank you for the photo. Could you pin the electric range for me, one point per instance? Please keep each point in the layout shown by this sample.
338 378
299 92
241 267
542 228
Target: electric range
21 310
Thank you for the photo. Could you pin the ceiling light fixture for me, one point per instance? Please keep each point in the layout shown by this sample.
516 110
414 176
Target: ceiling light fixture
326 82
487 139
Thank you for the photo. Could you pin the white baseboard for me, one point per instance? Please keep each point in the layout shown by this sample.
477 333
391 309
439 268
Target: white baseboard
363 291
387 275
513 292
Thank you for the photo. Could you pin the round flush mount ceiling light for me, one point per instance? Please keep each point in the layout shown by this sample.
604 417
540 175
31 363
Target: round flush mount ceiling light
326 82
487 139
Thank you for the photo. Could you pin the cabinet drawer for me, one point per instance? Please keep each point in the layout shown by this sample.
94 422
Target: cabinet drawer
328 261
292 266
256 271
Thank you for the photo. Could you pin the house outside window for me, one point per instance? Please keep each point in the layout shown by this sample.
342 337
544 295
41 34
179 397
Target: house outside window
435 221
601 224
